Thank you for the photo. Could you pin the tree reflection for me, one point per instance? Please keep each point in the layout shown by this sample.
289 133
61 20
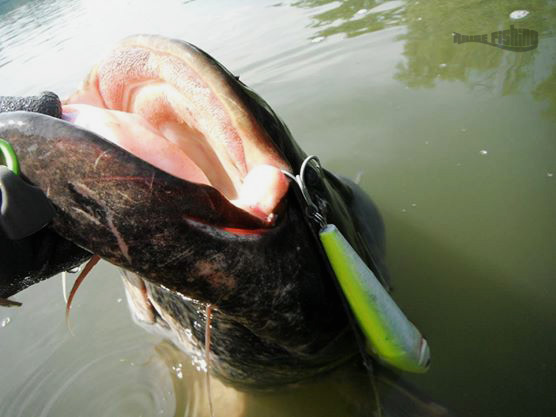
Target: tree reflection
429 52
546 90
351 17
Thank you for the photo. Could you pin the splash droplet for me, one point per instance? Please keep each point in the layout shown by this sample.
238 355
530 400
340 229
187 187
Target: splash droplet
413 204
519 14
483 152
549 174
5 322
443 65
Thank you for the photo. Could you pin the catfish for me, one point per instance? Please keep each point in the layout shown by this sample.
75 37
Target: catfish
166 165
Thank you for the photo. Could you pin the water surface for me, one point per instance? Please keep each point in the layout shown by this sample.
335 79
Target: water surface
456 144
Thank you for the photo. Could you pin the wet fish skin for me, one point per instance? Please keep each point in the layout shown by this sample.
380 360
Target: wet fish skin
278 317
272 285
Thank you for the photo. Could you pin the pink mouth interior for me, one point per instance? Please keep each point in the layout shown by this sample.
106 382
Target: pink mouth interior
190 124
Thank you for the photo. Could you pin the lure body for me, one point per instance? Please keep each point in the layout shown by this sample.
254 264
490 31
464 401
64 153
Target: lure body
390 335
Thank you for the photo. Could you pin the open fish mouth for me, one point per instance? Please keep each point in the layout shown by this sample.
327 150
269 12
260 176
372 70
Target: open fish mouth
170 168
173 106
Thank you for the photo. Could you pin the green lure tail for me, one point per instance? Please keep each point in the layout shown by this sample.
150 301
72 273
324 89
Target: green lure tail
391 336
24 208
8 157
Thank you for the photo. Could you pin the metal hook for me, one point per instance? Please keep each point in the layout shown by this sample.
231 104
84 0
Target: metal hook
299 179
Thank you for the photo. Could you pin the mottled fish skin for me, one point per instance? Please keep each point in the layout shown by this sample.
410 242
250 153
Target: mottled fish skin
278 317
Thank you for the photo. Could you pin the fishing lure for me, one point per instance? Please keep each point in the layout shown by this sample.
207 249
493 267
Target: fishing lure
390 336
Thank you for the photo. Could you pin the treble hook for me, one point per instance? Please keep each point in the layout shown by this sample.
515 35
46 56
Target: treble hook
299 179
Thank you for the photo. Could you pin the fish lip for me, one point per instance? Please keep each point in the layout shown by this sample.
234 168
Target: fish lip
258 226
54 138
167 74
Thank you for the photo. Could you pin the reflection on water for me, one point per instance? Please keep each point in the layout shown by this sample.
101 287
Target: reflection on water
47 372
454 142
430 55
113 368
546 91
353 18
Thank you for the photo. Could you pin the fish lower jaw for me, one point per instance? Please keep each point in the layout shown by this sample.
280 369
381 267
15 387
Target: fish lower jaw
184 153
149 315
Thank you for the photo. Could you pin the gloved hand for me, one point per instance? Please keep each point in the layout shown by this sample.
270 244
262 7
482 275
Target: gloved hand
27 260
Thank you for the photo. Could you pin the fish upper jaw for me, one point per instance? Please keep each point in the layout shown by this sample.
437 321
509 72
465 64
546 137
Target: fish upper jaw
176 108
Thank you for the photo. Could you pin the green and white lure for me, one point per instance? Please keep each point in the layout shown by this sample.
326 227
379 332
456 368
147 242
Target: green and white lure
390 336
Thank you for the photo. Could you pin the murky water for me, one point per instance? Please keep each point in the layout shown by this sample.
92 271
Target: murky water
456 143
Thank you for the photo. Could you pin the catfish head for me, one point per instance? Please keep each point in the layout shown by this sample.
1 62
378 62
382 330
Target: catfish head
168 166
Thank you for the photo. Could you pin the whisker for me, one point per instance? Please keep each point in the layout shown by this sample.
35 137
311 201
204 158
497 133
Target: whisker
92 262
207 356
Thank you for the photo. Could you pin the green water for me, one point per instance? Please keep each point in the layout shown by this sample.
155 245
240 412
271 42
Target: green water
456 144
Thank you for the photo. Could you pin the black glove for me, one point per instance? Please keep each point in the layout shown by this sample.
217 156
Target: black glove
46 103
26 261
